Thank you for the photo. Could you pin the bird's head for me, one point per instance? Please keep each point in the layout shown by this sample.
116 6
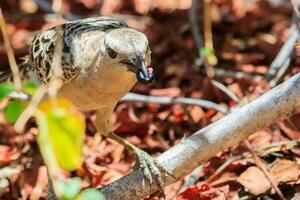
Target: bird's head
129 48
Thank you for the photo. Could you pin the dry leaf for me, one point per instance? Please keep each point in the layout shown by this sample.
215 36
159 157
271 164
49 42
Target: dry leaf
254 180
260 139
285 171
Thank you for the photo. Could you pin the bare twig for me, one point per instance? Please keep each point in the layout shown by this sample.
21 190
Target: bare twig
262 166
30 109
181 159
280 73
10 54
195 29
193 178
237 75
284 55
180 100
296 5
225 90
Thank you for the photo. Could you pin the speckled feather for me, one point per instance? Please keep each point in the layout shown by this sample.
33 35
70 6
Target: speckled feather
43 45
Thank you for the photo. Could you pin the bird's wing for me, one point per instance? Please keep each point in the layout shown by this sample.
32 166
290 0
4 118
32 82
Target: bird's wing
44 44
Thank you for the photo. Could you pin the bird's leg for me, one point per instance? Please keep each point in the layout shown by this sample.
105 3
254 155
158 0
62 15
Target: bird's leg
144 161
149 166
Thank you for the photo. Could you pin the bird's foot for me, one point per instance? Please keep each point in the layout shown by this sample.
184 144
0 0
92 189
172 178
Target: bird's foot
150 168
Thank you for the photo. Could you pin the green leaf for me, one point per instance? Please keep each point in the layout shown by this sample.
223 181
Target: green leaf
13 111
204 52
30 87
89 194
5 90
69 190
64 134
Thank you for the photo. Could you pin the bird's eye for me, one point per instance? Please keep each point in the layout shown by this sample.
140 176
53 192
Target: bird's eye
111 53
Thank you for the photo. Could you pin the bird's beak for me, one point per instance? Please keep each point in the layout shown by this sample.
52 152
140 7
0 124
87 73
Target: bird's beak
143 74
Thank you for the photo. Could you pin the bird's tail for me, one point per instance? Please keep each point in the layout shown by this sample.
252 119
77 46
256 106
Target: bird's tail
24 69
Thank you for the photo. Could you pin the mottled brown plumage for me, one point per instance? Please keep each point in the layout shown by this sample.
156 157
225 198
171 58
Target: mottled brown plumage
44 44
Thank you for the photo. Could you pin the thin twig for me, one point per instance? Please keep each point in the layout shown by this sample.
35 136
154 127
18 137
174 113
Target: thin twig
30 109
280 73
149 99
192 180
223 88
10 54
262 166
282 58
180 100
195 29
237 75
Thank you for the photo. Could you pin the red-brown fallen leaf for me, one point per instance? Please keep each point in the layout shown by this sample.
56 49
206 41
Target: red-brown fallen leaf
196 113
236 89
168 92
8 154
254 180
295 119
117 154
108 7
144 6
178 114
225 177
260 139
19 38
90 4
189 194
287 171
289 131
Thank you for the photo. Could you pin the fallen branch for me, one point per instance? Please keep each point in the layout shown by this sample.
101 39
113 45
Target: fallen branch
149 99
168 100
219 72
181 159
224 89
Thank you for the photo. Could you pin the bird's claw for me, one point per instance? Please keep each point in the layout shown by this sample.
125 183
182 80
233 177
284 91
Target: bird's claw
150 168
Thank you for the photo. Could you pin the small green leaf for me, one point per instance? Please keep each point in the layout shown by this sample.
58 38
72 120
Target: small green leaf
204 52
30 87
89 194
64 133
69 190
5 90
13 111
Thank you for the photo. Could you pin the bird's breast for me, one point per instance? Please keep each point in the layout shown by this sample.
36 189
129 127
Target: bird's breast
99 87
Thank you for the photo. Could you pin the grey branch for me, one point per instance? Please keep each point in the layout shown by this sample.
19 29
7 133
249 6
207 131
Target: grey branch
168 100
284 55
181 159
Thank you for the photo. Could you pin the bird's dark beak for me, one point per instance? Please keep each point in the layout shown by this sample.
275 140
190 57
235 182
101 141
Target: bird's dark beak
143 74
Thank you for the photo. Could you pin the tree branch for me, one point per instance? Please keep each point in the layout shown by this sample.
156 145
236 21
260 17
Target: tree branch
181 159
167 100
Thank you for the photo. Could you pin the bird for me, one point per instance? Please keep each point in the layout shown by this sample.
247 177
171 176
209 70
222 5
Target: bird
101 60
